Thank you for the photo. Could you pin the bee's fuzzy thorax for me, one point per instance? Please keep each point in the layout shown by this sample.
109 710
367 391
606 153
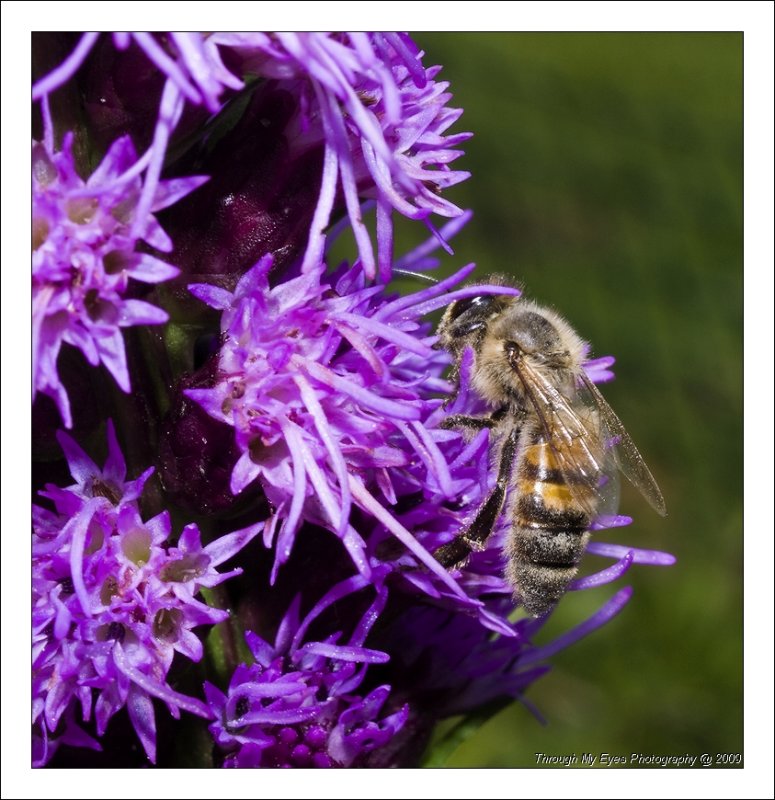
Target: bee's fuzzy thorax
568 341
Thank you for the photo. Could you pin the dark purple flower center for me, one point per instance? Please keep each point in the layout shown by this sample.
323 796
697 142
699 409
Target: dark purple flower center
302 747
99 309
115 631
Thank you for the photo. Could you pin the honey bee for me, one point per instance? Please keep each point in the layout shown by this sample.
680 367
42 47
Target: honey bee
559 443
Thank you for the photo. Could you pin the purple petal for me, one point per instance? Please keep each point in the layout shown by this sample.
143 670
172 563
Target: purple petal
213 296
138 312
141 714
605 521
59 76
245 470
322 216
115 465
161 690
82 468
393 308
370 617
346 653
76 531
152 270
382 405
326 435
223 548
369 504
652 557
449 231
337 592
288 626
420 309
170 191
287 717
607 575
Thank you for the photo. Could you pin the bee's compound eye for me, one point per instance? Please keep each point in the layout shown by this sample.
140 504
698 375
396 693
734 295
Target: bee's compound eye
481 303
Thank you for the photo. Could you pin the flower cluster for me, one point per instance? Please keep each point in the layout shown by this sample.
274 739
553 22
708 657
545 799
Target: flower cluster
287 400
382 118
328 387
85 256
112 602
298 704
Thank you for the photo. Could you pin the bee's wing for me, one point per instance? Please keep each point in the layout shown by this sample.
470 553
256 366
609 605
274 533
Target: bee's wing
576 437
625 453
589 442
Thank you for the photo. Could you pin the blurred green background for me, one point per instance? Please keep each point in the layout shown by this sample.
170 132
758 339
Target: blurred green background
607 177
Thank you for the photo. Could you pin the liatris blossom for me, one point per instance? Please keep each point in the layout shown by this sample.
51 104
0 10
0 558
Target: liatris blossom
315 376
112 603
279 395
301 703
366 99
382 118
85 257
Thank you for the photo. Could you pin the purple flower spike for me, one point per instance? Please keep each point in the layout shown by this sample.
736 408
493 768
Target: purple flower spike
85 258
298 704
327 385
112 605
381 118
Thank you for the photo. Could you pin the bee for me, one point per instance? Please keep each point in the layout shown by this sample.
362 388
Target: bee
559 444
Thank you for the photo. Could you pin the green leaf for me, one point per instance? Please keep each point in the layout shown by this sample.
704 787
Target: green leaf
441 750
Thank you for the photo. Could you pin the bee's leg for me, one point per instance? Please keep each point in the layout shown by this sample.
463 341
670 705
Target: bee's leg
463 421
474 423
477 532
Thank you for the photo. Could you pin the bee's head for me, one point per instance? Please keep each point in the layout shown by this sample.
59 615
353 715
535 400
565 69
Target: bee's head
465 321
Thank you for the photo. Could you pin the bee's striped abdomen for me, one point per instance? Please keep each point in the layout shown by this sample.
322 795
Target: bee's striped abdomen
549 525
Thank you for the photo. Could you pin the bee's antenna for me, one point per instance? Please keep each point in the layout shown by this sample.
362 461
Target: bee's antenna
418 275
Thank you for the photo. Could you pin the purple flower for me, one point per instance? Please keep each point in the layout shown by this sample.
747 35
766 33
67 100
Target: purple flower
449 664
328 386
365 98
91 481
301 702
382 119
85 257
112 604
